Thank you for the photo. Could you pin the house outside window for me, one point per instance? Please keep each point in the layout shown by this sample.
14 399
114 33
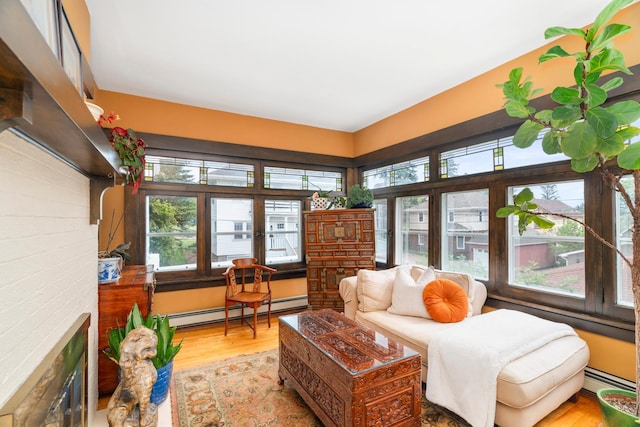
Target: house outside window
466 240
550 260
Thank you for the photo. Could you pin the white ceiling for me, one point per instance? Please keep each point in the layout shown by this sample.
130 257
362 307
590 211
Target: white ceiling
335 64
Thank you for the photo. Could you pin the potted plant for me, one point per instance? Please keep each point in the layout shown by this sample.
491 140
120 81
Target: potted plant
111 261
359 197
166 350
131 150
590 134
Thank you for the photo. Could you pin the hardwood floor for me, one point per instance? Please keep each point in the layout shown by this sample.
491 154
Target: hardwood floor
204 344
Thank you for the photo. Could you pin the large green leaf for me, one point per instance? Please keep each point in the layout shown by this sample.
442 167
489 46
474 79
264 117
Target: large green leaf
608 59
523 196
595 95
602 121
554 52
579 141
526 134
517 109
562 31
584 165
626 112
612 84
551 144
630 157
566 113
542 222
610 31
611 146
566 95
605 16
628 132
506 211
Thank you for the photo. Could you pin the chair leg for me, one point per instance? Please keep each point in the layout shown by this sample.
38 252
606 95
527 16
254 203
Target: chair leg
226 319
269 314
255 321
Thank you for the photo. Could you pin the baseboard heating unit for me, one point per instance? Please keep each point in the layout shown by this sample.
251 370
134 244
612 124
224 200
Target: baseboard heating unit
595 380
201 317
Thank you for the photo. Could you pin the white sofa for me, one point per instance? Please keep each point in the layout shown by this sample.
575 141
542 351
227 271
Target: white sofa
528 388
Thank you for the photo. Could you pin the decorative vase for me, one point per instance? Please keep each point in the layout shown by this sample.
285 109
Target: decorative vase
109 269
612 416
339 203
160 389
319 203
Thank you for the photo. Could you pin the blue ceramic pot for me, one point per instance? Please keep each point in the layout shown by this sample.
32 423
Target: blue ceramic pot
160 389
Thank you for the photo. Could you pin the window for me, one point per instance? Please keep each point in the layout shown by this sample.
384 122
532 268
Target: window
466 240
283 239
408 228
624 226
420 239
420 216
380 218
494 155
171 232
409 172
302 179
190 171
229 219
550 260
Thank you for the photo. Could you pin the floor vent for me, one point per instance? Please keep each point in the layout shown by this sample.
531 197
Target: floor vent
202 317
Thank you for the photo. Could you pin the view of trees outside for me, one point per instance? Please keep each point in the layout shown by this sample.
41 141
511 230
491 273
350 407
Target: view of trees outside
408 172
550 260
412 230
171 232
465 243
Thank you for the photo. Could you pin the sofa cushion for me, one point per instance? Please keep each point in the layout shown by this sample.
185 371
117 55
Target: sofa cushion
445 301
406 295
374 288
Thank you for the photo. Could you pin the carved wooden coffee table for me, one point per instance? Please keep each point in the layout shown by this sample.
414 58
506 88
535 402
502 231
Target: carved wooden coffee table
349 375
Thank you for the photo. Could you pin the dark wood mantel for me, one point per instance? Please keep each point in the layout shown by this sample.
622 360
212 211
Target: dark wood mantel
38 101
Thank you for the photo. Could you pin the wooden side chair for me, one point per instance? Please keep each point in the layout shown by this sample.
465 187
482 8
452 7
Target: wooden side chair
240 289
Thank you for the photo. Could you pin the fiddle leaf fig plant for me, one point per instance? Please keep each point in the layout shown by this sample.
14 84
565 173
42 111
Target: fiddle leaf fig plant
596 135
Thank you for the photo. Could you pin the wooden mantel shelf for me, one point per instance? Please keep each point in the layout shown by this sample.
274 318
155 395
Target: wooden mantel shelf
38 100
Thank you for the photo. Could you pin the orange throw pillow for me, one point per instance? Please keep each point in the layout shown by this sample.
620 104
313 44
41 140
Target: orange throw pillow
445 300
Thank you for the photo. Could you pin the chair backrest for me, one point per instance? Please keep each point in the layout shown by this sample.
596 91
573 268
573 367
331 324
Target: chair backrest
242 267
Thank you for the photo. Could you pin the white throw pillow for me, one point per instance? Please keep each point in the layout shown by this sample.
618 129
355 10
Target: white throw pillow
406 297
428 275
373 289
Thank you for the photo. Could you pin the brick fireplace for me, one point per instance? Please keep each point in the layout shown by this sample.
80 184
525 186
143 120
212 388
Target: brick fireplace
48 263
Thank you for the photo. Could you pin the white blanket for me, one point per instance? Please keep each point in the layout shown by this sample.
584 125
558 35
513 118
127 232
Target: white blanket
464 360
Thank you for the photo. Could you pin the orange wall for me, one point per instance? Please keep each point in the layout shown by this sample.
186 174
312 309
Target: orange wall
153 116
480 96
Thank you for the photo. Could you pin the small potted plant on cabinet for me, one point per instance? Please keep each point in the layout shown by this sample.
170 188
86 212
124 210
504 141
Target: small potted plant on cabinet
359 197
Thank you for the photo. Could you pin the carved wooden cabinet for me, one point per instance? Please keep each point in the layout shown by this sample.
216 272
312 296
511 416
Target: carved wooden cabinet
339 242
114 304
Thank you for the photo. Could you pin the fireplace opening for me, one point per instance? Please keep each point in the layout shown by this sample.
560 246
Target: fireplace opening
55 394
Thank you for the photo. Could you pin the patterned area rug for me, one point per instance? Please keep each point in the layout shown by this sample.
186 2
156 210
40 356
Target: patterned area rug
244 391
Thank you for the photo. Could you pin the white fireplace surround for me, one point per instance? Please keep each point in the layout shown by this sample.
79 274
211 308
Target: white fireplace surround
47 261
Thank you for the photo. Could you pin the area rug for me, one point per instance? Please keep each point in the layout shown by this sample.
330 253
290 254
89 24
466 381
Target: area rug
244 391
